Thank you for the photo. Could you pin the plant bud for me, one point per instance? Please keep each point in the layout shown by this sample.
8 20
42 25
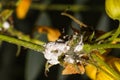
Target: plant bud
113 9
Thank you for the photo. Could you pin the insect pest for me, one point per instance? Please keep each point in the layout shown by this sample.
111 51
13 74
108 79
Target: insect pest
68 52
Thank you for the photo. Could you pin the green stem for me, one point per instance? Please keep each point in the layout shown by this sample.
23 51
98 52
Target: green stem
18 51
117 40
62 7
88 48
105 46
20 35
102 63
19 42
116 34
106 35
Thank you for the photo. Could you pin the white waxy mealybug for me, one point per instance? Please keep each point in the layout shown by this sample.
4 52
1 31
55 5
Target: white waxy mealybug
54 50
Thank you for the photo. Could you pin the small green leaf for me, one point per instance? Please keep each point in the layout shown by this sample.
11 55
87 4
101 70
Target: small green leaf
92 36
106 35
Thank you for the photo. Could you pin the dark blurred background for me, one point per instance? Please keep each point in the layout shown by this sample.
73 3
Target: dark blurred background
30 65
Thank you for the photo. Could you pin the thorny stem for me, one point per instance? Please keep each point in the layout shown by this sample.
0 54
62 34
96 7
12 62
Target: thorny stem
74 19
19 42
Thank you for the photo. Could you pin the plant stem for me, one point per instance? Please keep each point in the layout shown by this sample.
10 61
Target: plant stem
62 7
116 40
20 35
74 19
104 46
88 48
102 63
59 7
116 34
106 35
19 42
